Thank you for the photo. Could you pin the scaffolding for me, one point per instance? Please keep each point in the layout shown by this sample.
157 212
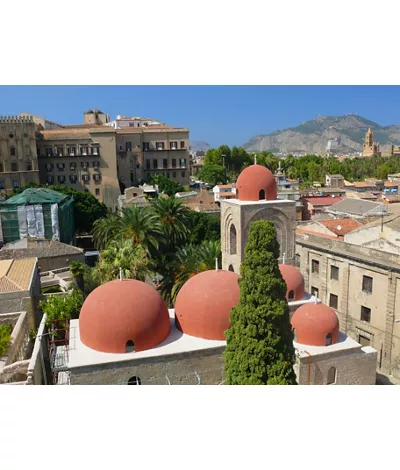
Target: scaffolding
58 351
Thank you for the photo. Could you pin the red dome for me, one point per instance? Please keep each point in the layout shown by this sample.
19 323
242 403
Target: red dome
294 281
254 183
121 311
313 323
204 304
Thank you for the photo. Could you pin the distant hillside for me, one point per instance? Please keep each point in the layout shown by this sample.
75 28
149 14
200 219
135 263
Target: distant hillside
345 132
196 146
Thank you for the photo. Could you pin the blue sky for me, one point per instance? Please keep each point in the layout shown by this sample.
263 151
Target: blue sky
214 114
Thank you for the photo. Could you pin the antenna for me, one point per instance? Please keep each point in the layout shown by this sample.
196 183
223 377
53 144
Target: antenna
216 264
120 274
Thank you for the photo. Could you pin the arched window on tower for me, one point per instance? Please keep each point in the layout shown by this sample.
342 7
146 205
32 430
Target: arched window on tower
130 346
331 376
261 195
134 381
291 295
328 340
231 268
232 240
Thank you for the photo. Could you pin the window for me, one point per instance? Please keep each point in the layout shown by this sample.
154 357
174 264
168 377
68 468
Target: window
231 268
60 166
232 240
95 150
183 174
315 266
61 178
28 166
174 163
12 151
367 284
147 164
261 195
333 301
328 339
14 166
85 178
291 295
96 165
49 152
297 261
1 167
84 165
182 163
363 340
16 183
84 150
72 178
173 145
174 174
165 163
365 314
97 177
97 192
314 291
145 146
49 166
183 146
331 376
134 381
160 145
72 151
1 184
11 136
49 179
155 164
60 151
128 146
72 166
130 346
335 273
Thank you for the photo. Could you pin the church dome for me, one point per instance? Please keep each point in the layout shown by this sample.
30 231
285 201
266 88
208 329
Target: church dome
256 183
204 303
294 281
315 325
121 313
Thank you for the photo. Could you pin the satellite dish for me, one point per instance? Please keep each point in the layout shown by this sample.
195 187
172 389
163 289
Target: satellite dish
339 227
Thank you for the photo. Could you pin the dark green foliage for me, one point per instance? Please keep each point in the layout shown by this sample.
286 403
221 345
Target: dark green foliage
5 338
204 227
259 348
166 185
213 174
87 209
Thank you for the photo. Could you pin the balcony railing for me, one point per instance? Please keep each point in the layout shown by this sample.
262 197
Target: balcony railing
155 149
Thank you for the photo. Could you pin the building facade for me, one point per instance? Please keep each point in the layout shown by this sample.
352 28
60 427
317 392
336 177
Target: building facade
370 148
18 157
363 286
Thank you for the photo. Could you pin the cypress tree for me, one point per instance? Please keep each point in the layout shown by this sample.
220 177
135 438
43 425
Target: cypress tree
259 348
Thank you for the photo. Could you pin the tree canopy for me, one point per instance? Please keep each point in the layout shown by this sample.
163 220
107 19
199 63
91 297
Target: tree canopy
213 174
166 185
259 349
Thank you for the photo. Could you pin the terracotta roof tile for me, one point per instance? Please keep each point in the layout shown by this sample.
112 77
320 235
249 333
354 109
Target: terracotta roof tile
346 225
15 275
323 201
303 231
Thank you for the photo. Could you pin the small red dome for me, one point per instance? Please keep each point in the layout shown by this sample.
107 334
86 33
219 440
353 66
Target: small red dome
118 312
294 281
314 323
204 304
255 183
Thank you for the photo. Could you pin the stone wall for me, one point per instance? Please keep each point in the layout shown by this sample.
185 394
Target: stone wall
180 369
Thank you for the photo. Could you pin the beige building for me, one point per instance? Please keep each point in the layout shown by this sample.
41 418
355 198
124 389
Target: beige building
370 148
334 181
18 157
362 284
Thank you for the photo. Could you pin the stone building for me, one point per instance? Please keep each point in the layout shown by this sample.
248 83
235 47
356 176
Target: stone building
18 157
256 199
362 284
370 148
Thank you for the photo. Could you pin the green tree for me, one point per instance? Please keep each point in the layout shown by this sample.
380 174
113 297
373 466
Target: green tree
166 185
259 349
78 270
5 338
203 227
62 307
213 174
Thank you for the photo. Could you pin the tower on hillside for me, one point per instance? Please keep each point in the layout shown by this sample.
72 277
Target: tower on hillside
370 149
256 199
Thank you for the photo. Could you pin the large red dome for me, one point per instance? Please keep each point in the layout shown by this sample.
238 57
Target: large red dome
204 303
294 282
123 311
315 325
256 183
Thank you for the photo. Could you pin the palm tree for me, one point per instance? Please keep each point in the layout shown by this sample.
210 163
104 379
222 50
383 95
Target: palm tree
139 225
77 270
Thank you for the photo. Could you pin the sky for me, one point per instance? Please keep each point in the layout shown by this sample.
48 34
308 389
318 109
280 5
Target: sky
214 114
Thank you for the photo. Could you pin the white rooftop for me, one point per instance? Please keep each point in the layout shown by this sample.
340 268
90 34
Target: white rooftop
177 342
344 343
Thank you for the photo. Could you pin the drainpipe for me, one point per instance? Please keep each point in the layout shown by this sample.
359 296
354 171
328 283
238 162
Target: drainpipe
309 367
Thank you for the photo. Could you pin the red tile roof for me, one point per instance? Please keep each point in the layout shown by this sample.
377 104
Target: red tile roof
323 200
303 231
346 225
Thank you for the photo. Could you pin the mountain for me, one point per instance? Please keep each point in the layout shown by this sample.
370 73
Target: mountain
346 133
196 146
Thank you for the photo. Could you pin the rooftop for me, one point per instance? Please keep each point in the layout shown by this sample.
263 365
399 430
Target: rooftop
344 343
322 200
358 207
37 249
346 225
16 275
